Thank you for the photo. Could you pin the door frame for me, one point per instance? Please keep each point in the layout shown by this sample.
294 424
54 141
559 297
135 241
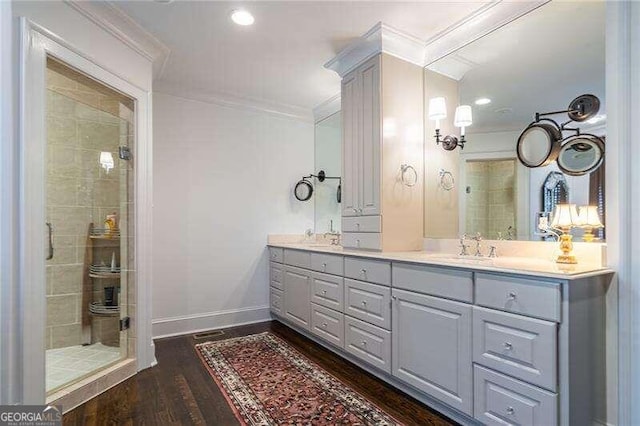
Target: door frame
36 43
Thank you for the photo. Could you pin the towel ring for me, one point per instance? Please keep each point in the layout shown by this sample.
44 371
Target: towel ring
447 182
404 168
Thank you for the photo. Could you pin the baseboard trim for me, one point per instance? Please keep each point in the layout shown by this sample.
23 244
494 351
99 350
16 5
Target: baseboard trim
187 324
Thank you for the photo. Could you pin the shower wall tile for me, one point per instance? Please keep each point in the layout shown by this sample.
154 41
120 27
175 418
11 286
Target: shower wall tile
66 279
62 131
62 310
65 335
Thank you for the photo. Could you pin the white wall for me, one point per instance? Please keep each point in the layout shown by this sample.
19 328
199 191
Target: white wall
223 180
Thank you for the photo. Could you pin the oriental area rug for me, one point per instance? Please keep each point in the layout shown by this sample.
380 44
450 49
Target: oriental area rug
268 382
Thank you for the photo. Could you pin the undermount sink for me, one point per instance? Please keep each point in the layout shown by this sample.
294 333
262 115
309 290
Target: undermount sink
458 258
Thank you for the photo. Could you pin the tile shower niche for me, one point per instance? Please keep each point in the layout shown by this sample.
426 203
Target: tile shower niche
89 215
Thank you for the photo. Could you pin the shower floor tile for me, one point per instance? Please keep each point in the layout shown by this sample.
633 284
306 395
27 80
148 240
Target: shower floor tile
65 365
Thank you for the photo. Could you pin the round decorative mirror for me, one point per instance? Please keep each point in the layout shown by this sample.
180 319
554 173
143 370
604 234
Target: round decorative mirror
581 154
303 190
539 144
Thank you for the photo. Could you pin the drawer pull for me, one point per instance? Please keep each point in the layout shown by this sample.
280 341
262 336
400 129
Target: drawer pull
324 267
324 292
512 295
510 411
273 255
363 272
364 343
364 303
508 346
324 324
358 226
357 243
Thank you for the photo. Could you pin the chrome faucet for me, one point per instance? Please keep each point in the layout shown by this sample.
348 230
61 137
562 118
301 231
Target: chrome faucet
335 235
478 240
463 246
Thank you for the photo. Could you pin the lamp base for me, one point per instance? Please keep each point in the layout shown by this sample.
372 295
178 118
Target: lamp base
566 246
566 258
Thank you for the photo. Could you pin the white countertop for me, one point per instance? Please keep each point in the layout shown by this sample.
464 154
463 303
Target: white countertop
512 265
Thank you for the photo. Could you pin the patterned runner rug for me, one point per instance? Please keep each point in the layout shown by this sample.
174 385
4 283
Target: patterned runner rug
267 382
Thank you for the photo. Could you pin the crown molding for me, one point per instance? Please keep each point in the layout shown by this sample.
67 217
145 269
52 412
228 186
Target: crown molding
113 20
229 100
483 21
381 38
385 39
327 108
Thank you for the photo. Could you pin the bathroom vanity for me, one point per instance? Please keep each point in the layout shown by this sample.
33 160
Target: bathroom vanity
495 341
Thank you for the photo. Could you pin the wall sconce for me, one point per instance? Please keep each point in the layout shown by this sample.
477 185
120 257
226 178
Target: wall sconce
589 219
564 218
106 161
462 119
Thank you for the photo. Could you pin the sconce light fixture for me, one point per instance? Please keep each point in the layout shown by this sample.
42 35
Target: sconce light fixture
462 119
564 218
106 161
589 219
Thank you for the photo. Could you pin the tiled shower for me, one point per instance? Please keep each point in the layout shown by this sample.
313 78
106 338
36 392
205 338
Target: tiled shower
90 274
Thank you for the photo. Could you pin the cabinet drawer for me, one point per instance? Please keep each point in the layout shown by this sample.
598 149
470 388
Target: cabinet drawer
328 291
369 343
375 271
327 263
362 240
368 302
521 347
327 324
299 258
362 224
276 301
276 254
501 400
449 283
275 272
533 298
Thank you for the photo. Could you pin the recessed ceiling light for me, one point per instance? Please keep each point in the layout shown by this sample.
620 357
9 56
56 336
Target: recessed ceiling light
598 118
482 101
242 17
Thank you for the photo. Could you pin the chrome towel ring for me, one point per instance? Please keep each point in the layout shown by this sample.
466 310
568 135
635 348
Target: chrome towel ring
404 168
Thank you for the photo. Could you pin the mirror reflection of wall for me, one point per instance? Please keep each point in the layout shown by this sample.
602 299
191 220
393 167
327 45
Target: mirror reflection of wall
328 157
507 77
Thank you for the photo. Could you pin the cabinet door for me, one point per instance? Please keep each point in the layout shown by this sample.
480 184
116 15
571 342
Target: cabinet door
297 283
431 347
369 76
350 146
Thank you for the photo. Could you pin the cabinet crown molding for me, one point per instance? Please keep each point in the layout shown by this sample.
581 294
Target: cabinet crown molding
380 39
383 38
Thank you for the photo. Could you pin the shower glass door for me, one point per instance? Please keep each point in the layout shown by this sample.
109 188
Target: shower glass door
89 215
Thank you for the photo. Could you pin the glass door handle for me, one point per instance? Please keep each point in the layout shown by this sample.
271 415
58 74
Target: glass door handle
50 256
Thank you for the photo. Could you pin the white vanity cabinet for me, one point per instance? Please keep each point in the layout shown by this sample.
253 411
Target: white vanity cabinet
297 285
383 86
482 347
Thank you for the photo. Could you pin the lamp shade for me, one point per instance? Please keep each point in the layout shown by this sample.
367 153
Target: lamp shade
463 116
565 216
437 109
589 216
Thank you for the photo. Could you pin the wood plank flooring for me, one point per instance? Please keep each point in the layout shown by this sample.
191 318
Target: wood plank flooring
179 390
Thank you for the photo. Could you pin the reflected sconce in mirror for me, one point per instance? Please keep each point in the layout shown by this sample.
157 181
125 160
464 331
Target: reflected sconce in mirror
542 142
462 119
565 217
589 219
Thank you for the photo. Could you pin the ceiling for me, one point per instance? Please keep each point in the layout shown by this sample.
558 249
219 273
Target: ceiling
537 63
279 60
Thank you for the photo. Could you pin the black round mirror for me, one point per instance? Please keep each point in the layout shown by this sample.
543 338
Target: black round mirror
581 154
539 144
303 190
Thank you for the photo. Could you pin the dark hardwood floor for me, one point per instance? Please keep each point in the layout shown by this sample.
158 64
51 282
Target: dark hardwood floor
179 390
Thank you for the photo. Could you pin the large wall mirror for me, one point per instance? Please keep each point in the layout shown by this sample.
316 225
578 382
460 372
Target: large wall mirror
328 157
537 63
